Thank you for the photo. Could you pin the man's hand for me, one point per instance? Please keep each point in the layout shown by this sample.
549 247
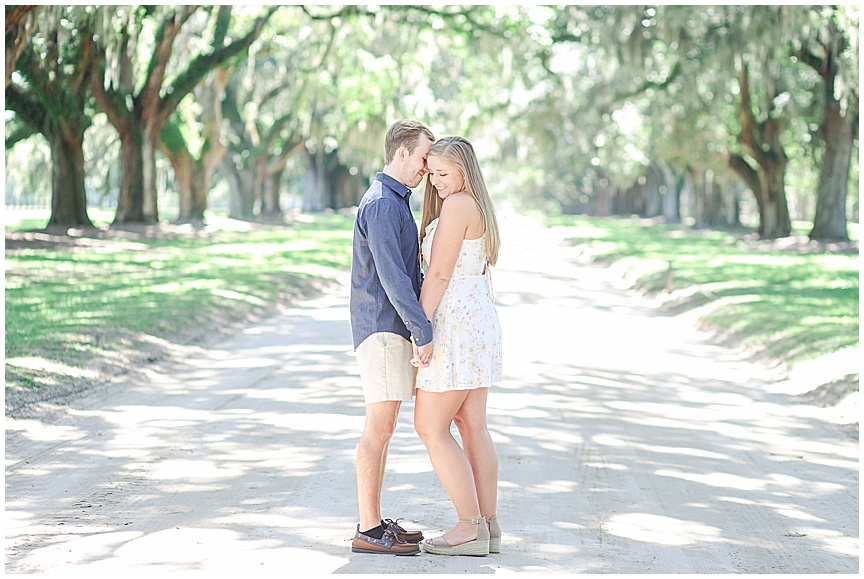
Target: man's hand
422 355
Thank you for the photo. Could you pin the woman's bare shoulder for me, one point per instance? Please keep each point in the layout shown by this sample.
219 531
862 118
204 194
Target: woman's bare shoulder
461 204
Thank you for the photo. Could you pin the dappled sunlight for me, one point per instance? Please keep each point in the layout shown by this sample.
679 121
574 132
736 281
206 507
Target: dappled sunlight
42 432
244 363
408 468
192 470
202 437
53 366
717 479
660 530
557 549
634 451
684 451
605 465
181 550
557 486
831 540
651 437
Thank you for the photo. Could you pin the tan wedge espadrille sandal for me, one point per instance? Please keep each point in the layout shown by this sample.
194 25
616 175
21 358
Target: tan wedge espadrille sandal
494 534
477 548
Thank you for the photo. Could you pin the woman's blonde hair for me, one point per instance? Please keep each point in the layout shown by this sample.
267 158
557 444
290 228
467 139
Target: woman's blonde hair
459 153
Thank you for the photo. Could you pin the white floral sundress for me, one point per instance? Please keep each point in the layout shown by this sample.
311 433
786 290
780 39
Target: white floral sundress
466 331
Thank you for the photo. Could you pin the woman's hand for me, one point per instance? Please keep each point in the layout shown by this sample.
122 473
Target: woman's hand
422 355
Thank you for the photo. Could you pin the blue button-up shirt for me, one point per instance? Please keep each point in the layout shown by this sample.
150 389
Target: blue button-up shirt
385 269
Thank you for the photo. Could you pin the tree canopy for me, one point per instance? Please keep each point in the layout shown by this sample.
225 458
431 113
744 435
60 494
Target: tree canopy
716 114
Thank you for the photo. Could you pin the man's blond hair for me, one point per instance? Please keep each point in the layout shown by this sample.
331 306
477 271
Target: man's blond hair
405 132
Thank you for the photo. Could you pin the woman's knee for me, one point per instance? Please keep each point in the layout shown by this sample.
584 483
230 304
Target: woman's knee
423 428
430 430
470 423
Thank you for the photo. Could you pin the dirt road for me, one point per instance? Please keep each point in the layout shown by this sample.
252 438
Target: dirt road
628 443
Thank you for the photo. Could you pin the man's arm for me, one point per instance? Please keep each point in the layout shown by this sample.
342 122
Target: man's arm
382 234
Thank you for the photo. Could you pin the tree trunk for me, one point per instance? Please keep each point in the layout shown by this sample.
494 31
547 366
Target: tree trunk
839 129
270 196
136 202
768 182
155 101
313 183
196 203
775 220
151 204
193 174
212 93
711 208
193 190
69 196
718 205
768 186
829 223
730 208
240 202
671 211
53 102
653 200
130 200
603 201
192 183
698 190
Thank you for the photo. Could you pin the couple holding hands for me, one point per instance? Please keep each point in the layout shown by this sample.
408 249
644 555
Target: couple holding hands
442 342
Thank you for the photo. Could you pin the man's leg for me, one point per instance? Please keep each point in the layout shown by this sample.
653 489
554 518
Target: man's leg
383 469
372 458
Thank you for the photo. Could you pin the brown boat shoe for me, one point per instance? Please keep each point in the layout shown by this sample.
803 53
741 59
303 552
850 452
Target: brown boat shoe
407 536
389 544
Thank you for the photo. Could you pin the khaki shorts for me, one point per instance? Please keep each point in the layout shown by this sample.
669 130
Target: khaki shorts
386 372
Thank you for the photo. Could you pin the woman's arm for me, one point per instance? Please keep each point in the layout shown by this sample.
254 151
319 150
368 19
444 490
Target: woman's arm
456 214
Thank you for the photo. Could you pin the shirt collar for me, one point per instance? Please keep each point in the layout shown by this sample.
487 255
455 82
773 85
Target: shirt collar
397 187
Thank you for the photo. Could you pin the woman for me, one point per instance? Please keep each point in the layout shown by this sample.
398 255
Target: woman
459 242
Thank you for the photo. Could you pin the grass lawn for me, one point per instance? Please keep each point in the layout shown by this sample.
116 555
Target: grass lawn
788 301
81 307
86 306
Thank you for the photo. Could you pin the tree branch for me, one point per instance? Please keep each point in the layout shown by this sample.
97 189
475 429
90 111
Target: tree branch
186 81
747 173
747 136
645 86
16 15
109 101
223 22
24 131
163 47
29 110
20 22
345 11
287 152
811 60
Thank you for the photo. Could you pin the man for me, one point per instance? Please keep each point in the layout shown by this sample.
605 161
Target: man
385 315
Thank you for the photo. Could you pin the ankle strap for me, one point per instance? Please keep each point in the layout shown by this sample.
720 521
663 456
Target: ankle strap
492 517
472 521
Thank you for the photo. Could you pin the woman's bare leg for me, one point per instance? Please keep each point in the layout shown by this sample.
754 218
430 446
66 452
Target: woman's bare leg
433 414
479 449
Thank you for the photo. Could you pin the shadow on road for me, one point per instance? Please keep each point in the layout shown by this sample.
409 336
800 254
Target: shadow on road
627 444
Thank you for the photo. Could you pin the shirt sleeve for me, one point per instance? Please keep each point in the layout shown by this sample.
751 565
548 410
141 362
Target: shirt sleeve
382 234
